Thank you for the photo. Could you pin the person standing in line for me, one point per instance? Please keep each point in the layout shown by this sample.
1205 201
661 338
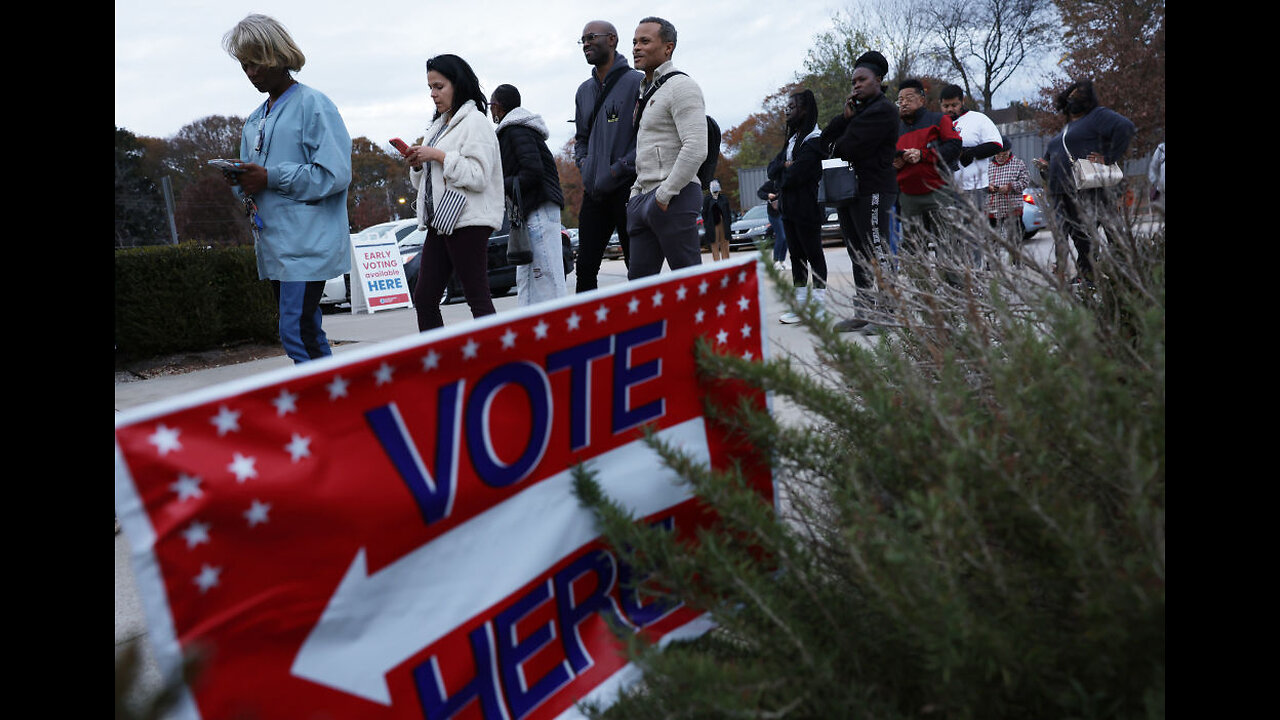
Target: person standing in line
865 134
1101 135
716 217
296 165
527 161
768 192
1007 177
796 171
604 149
927 145
979 141
671 143
1155 176
460 155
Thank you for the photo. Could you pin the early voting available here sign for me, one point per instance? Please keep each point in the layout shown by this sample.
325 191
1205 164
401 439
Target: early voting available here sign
378 281
392 533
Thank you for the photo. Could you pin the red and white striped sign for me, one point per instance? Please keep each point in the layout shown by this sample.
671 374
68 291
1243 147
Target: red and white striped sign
392 532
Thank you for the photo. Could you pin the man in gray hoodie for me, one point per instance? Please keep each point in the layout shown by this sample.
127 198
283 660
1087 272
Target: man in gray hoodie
604 148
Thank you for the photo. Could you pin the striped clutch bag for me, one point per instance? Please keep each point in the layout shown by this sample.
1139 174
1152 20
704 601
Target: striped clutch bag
448 210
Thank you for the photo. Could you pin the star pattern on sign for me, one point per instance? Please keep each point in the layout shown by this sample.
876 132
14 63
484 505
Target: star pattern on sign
165 439
382 375
338 387
720 308
257 513
299 447
703 286
286 402
226 420
681 292
746 331
602 313
509 339
196 533
743 303
722 337
540 330
470 350
187 487
208 578
657 298
430 361
242 467
573 321
699 315
633 306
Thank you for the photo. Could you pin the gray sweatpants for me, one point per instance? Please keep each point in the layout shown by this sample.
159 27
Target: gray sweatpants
658 235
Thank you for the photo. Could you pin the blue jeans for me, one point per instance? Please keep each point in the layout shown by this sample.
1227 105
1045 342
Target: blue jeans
779 237
300 331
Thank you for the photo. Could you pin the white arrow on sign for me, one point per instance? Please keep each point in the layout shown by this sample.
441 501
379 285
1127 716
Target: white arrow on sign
373 623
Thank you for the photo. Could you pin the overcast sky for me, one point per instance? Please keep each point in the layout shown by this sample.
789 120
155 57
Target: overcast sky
369 56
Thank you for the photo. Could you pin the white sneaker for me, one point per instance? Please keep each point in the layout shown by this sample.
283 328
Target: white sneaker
789 318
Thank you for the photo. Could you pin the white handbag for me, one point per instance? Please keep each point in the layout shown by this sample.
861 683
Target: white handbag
1087 174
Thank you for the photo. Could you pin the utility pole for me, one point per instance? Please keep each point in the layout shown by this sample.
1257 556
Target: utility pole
168 203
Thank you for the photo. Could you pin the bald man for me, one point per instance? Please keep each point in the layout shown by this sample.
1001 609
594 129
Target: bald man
604 148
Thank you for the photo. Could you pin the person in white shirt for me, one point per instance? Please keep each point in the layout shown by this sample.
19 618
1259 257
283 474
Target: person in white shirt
979 141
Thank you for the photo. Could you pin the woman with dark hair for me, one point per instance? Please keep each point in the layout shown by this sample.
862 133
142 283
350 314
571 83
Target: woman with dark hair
527 163
1099 134
458 164
796 172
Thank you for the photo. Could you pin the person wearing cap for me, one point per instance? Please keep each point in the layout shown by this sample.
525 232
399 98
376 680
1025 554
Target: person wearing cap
715 222
1007 177
864 134
927 145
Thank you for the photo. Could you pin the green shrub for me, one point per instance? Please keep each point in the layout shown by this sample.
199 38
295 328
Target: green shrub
187 297
971 515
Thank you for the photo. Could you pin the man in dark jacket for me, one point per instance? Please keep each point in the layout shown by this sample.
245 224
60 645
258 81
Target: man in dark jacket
928 145
604 149
864 134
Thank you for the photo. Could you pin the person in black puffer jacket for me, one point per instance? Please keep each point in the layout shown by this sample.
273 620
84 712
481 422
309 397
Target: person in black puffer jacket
526 159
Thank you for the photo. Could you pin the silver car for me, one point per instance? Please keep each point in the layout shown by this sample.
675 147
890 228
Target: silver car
753 225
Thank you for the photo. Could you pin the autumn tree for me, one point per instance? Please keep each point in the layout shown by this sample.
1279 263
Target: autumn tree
140 212
1120 45
379 181
570 185
986 42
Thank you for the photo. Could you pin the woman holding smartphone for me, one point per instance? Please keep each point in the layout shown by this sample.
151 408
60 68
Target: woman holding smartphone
458 164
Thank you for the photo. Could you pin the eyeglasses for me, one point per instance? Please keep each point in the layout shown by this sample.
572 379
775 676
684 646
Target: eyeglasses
591 36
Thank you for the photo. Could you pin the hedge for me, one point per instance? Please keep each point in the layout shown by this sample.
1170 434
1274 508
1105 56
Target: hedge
188 298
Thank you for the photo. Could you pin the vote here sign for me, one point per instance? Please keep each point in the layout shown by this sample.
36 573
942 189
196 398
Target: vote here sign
391 532
379 282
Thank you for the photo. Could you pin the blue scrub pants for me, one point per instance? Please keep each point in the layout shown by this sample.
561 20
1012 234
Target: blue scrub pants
300 331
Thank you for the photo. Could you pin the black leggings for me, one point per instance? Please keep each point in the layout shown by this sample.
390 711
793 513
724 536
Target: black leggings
804 240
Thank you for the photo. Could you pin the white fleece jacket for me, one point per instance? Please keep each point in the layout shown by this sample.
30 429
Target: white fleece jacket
472 165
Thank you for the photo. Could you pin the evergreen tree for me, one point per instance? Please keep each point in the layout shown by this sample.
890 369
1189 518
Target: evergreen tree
970 522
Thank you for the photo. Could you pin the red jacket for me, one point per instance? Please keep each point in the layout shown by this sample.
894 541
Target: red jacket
938 141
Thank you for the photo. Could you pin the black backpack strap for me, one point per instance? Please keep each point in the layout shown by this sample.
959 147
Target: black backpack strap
644 99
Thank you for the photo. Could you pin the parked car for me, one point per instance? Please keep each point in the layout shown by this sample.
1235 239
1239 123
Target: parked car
613 248
1033 218
831 234
748 229
573 240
